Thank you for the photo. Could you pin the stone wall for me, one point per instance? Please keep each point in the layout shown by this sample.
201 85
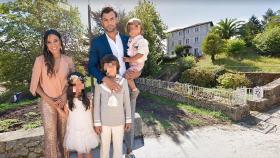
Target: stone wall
29 143
22 144
260 78
236 112
271 97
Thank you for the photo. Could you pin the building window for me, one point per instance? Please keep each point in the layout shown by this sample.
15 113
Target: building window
187 41
187 31
172 44
196 39
180 42
196 29
179 33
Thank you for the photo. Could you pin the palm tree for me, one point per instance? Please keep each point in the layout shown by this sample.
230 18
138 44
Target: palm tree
228 28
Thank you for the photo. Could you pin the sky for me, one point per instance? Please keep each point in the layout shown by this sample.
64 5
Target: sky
183 13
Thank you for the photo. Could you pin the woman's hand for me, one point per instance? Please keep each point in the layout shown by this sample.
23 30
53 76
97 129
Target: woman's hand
61 101
50 101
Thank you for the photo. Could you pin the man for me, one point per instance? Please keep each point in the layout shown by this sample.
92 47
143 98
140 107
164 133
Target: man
111 42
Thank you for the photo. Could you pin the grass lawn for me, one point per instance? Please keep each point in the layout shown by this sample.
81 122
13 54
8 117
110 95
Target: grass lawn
10 106
163 115
247 62
25 114
158 113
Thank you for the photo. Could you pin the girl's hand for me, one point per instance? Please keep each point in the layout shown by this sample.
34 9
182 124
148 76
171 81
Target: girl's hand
127 127
98 129
126 59
61 112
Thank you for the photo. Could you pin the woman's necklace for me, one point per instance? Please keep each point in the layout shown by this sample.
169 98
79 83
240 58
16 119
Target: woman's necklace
57 65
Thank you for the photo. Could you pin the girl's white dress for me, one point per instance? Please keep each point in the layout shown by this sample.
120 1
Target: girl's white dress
80 135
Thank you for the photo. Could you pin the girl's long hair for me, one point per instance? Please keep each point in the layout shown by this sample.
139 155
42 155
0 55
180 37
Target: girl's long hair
71 94
48 57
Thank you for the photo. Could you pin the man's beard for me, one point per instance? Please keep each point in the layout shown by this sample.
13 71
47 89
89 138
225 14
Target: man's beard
110 29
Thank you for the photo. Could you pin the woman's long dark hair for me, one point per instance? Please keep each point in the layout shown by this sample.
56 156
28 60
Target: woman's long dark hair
48 57
71 94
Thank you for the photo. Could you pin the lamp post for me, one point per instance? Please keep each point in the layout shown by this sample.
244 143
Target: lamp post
90 36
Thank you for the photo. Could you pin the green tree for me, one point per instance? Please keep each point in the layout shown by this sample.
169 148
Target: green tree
269 41
23 23
234 47
98 29
274 22
268 15
212 45
154 32
228 28
250 29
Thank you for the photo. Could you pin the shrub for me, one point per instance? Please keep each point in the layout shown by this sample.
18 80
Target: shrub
268 41
201 76
181 50
185 63
167 59
230 80
235 46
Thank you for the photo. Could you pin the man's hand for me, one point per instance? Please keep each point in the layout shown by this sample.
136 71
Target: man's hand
98 129
132 74
111 84
127 127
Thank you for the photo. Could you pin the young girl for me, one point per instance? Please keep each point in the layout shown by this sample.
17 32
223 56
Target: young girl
138 48
112 114
80 135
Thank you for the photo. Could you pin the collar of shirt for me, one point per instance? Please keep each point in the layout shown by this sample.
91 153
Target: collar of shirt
117 49
135 39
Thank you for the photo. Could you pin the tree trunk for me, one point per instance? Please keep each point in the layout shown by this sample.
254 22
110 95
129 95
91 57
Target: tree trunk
213 58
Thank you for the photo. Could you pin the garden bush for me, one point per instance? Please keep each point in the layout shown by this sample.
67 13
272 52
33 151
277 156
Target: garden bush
185 63
230 80
268 41
201 76
235 46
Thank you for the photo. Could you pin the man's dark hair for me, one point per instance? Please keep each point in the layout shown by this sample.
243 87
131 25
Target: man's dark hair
107 10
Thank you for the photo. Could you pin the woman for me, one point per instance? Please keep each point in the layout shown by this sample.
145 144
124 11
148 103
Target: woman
49 80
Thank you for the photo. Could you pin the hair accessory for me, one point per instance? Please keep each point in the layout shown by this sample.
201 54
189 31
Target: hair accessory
75 77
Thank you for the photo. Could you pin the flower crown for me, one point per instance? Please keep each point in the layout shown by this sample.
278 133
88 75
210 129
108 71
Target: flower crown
75 77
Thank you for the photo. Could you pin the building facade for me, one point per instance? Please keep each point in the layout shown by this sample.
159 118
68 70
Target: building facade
191 36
